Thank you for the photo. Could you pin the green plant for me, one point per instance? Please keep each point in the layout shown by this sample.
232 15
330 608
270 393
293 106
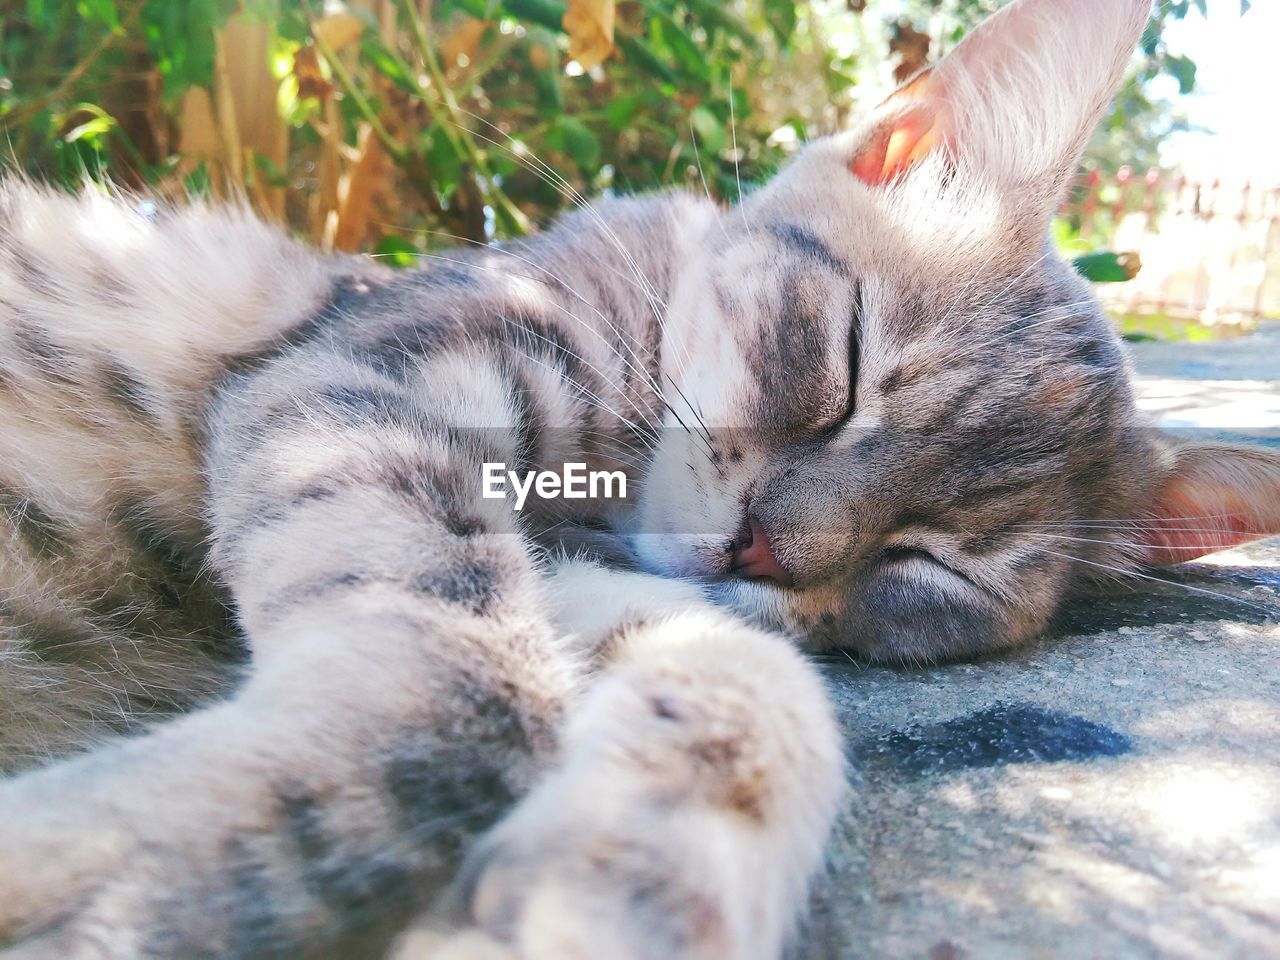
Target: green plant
398 125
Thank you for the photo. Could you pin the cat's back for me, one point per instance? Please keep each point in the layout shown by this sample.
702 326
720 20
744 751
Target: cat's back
117 316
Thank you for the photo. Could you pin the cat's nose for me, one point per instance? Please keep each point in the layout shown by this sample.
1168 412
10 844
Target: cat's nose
753 556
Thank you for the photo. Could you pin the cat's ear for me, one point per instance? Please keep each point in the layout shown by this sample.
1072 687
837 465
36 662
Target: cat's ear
1212 496
1015 102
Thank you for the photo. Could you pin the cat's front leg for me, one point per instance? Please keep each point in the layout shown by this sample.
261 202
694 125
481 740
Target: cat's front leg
699 779
405 689
319 809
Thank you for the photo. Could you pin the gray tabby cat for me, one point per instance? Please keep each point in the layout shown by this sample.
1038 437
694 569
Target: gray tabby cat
581 729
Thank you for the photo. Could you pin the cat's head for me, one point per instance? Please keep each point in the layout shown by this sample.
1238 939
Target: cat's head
910 425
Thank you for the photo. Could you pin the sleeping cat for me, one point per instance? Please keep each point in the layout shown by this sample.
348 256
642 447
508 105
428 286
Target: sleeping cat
240 476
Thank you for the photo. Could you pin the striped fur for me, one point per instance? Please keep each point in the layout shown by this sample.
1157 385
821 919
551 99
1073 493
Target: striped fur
237 475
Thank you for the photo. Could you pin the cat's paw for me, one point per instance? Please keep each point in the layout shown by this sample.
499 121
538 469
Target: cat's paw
603 878
179 844
696 789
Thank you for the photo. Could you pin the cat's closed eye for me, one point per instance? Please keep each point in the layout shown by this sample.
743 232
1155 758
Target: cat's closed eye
840 398
843 416
905 554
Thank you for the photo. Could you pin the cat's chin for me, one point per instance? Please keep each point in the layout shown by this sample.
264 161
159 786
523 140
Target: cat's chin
759 601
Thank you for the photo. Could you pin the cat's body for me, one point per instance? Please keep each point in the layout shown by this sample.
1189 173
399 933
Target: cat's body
112 609
235 471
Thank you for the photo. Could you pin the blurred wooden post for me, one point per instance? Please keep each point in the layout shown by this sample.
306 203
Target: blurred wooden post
1272 226
358 190
248 93
1241 220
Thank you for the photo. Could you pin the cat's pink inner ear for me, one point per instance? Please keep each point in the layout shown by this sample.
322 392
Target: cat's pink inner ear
912 130
1217 497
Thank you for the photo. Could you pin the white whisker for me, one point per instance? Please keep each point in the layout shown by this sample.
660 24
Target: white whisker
1123 573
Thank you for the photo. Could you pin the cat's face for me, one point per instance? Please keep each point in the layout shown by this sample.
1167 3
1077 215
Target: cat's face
895 398
896 392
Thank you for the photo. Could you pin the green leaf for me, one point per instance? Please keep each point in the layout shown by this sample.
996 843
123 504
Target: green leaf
480 9
1106 266
90 130
198 183
180 37
716 13
656 36
782 19
397 252
1151 37
441 159
547 13
687 53
388 64
642 55
270 170
37 14
579 143
1183 69
504 162
102 10
546 80
621 109
711 133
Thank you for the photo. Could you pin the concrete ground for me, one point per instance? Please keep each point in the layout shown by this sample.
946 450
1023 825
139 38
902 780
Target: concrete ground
1112 792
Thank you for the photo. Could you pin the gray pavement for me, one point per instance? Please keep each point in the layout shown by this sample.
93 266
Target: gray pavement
1112 792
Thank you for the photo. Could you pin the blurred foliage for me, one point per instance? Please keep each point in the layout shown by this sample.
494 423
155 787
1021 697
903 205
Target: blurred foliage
1107 266
1159 327
397 125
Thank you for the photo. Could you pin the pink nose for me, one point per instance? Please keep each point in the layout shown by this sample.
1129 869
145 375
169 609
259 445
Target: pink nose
756 560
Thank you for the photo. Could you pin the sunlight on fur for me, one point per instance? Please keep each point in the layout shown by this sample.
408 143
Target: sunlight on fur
276 678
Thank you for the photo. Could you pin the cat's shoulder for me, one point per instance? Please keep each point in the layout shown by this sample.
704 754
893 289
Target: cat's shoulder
658 212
